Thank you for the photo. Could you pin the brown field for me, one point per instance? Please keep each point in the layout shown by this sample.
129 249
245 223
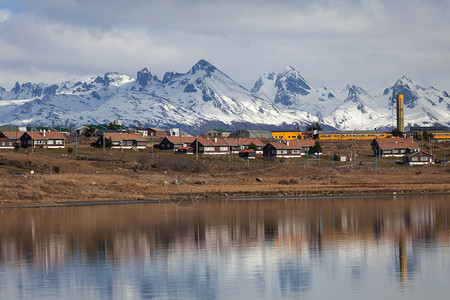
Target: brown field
113 175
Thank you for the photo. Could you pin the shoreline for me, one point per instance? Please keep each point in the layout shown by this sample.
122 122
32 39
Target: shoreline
186 200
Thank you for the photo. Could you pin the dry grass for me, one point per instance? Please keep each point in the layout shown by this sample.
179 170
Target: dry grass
116 176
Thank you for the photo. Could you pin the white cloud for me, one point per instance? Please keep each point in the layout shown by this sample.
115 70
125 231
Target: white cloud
370 43
4 15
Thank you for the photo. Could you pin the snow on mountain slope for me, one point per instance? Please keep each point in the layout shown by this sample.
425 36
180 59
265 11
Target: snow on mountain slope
352 107
205 95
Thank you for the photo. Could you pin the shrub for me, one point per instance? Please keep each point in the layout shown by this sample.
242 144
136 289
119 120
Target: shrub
69 150
56 170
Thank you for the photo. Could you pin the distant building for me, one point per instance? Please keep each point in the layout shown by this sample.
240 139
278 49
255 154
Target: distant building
122 140
6 143
156 132
175 142
251 134
393 146
217 133
419 158
288 149
173 132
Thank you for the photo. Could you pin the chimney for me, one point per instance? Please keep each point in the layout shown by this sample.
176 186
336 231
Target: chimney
43 132
287 143
215 140
400 117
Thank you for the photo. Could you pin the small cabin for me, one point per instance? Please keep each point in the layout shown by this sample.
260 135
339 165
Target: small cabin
419 158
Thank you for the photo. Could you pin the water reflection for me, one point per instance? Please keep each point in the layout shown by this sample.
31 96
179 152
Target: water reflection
229 250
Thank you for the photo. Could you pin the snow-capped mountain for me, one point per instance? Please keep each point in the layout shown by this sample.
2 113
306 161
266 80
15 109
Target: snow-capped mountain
205 97
352 107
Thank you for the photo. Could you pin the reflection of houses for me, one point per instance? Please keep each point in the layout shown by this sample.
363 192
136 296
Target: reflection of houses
174 142
418 158
393 146
288 149
122 140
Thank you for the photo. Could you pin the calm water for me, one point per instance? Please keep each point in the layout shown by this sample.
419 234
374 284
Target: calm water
353 248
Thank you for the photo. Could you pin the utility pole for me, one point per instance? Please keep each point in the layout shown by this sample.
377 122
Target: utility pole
76 144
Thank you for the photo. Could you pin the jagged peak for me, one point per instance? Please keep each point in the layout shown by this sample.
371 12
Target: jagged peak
202 65
290 72
144 76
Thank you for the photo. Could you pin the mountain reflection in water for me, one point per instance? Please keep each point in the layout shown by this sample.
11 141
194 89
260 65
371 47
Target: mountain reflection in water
387 248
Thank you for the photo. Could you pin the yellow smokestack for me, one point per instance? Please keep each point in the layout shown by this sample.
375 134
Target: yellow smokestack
400 117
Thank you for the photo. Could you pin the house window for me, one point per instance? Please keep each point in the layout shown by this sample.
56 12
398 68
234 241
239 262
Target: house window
395 151
295 151
10 143
50 142
210 148
223 148
3 143
424 158
282 151
415 159
58 142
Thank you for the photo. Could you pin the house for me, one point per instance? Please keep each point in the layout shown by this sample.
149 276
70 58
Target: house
393 146
418 158
240 144
156 132
55 139
249 134
122 140
184 150
217 133
6 143
224 146
33 139
37 139
247 153
211 146
173 132
14 136
288 149
174 142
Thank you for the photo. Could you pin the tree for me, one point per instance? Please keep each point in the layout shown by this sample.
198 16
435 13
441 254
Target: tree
108 143
252 146
16 147
317 148
111 126
397 132
427 136
69 150
314 128
89 131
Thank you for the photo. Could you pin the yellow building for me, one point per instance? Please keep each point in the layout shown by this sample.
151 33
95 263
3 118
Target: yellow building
288 135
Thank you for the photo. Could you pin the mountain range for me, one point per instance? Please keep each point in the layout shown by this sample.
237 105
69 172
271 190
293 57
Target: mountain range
205 98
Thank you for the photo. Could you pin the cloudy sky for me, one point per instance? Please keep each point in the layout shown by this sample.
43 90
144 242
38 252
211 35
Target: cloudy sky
331 43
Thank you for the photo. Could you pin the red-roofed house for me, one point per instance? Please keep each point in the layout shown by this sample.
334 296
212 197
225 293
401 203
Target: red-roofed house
6 143
175 142
55 139
14 136
393 146
122 140
288 149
